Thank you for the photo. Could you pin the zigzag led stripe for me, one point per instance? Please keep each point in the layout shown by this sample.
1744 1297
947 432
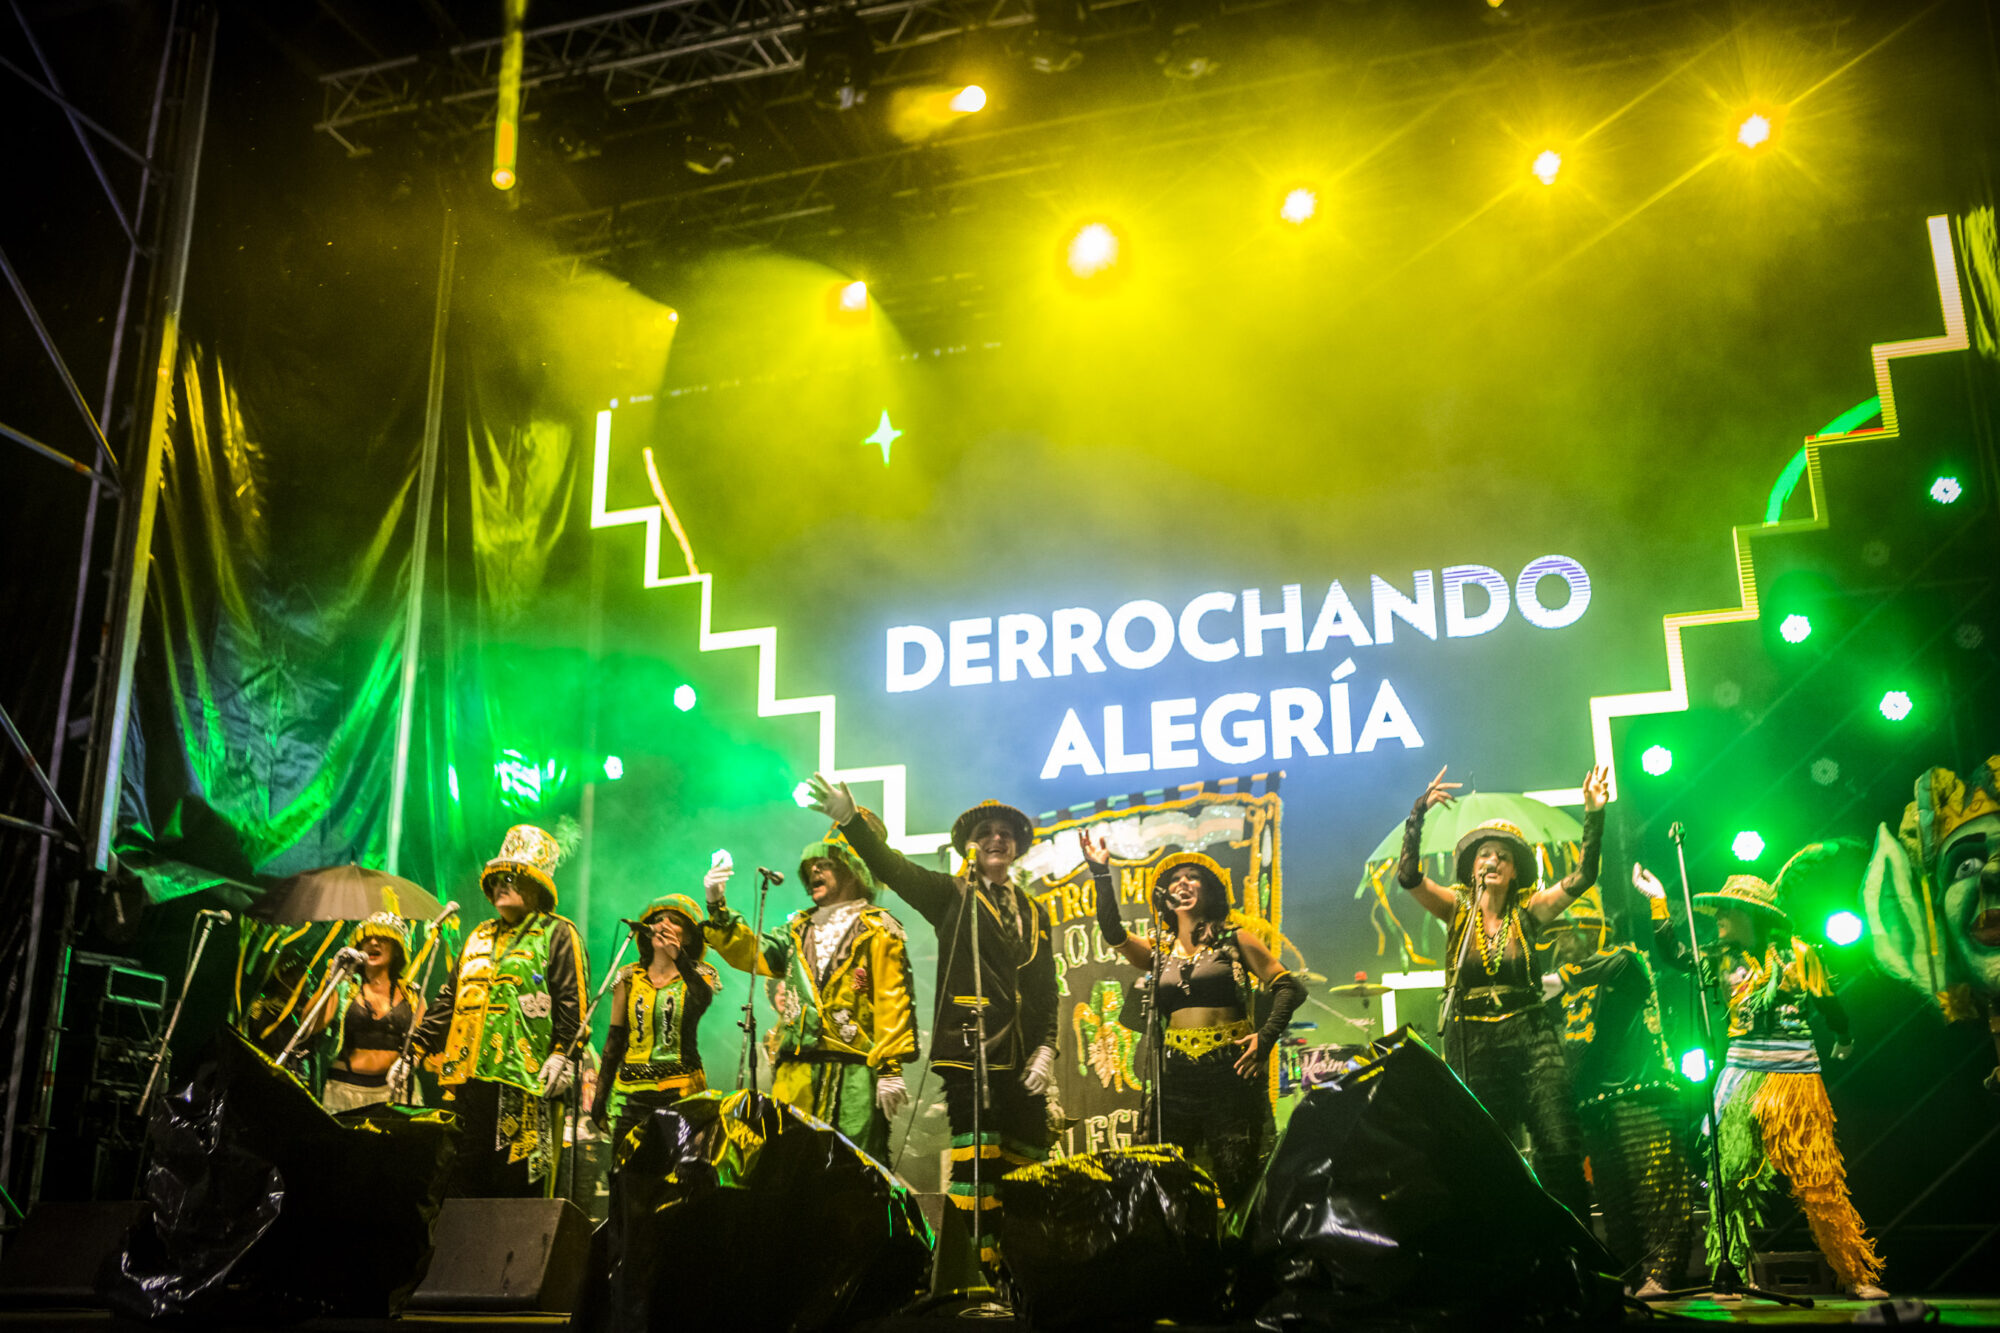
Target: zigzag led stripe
765 641
1674 699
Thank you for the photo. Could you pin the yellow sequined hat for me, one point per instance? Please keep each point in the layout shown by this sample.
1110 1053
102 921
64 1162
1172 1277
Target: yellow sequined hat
530 852
382 926
686 908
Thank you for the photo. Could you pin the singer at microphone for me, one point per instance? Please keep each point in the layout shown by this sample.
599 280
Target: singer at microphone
369 1010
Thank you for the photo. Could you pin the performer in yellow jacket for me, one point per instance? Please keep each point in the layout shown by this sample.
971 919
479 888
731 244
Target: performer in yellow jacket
840 974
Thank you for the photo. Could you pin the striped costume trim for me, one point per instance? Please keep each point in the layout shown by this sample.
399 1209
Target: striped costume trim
961 1196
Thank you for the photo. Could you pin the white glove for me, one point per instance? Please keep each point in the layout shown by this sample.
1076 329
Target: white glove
892 1094
717 879
556 1073
399 1080
831 798
1552 985
1039 1076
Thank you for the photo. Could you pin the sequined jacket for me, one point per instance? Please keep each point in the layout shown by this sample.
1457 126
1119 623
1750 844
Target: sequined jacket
516 998
858 1003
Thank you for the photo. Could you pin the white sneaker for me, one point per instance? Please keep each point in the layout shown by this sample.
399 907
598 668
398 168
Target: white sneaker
1867 1291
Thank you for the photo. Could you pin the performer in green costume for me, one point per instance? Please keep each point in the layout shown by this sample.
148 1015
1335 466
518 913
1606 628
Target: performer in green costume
841 986
502 1025
652 1055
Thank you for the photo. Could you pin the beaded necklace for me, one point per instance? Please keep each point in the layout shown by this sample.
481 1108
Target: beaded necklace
1494 944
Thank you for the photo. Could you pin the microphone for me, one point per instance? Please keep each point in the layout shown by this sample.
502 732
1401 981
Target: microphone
772 875
349 958
1677 831
450 910
629 923
221 916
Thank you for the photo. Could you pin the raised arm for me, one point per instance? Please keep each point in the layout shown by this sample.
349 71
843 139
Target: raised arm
731 936
1439 901
1670 946
1553 901
1137 952
931 892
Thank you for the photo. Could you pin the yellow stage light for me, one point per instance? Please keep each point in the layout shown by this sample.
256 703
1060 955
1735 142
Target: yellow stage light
854 297
969 99
503 178
1299 207
1092 249
1548 164
1754 132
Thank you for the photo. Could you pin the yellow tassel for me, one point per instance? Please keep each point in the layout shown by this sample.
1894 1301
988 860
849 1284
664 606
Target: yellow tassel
1796 1121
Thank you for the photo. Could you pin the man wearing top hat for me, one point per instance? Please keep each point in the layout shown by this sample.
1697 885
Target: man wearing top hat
502 1028
1015 985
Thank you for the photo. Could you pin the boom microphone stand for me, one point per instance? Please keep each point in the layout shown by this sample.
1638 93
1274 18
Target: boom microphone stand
572 1102
1723 1279
206 924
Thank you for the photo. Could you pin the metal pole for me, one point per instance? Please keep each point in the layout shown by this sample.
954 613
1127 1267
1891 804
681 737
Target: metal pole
142 482
46 1093
413 615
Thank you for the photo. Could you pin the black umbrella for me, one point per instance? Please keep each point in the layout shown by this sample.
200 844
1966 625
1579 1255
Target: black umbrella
347 893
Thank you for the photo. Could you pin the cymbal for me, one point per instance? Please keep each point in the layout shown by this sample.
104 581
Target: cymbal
1359 989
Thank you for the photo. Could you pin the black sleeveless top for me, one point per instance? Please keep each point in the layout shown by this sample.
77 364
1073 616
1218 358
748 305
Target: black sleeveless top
365 1032
1212 979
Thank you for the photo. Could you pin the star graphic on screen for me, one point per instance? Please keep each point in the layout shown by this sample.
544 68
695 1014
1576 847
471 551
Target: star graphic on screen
885 435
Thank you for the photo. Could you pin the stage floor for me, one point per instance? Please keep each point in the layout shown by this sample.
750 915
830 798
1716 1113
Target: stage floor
1981 1312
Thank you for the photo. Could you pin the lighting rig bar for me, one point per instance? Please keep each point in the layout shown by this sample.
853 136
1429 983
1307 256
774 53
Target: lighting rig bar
642 53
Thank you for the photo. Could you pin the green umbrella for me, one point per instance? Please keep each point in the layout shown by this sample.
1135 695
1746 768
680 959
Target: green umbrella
1543 825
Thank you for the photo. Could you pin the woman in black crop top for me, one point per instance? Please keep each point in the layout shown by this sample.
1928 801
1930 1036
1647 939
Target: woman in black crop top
370 1013
1214 1099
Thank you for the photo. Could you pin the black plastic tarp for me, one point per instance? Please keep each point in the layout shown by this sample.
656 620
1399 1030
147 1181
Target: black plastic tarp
264 1207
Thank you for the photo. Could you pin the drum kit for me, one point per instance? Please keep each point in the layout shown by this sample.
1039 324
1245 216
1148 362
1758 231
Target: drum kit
1303 1064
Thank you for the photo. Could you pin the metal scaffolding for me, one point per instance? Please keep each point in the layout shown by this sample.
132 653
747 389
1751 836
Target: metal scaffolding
157 225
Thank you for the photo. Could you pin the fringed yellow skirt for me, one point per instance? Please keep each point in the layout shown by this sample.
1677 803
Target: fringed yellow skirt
1775 1121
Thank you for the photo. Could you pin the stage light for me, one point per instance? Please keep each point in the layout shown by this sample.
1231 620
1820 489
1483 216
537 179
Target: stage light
854 296
684 697
1946 489
1547 166
1754 131
1092 249
1843 928
968 99
802 795
1299 207
1896 705
451 781
1795 629
1826 770
614 767
1748 845
1694 1065
1657 760
507 111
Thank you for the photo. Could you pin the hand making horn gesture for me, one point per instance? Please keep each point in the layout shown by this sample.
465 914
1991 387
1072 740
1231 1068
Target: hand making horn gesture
1441 792
1096 854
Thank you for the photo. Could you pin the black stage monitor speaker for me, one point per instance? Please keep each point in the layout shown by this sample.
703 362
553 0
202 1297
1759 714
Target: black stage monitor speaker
506 1254
55 1257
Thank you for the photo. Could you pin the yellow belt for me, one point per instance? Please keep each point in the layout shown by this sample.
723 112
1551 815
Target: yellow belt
1197 1042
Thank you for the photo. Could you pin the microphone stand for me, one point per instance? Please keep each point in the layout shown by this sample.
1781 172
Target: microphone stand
1723 1277
206 925
1455 981
983 1102
423 991
746 1063
573 1099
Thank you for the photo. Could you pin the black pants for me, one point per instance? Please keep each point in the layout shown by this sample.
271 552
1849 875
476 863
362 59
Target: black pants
1515 1067
633 1113
1640 1173
1013 1132
482 1170
1219 1118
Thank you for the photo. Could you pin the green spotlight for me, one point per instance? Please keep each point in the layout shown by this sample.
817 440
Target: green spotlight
1795 629
1843 928
684 697
1896 705
1748 845
1945 490
614 768
1694 1065
1657 760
